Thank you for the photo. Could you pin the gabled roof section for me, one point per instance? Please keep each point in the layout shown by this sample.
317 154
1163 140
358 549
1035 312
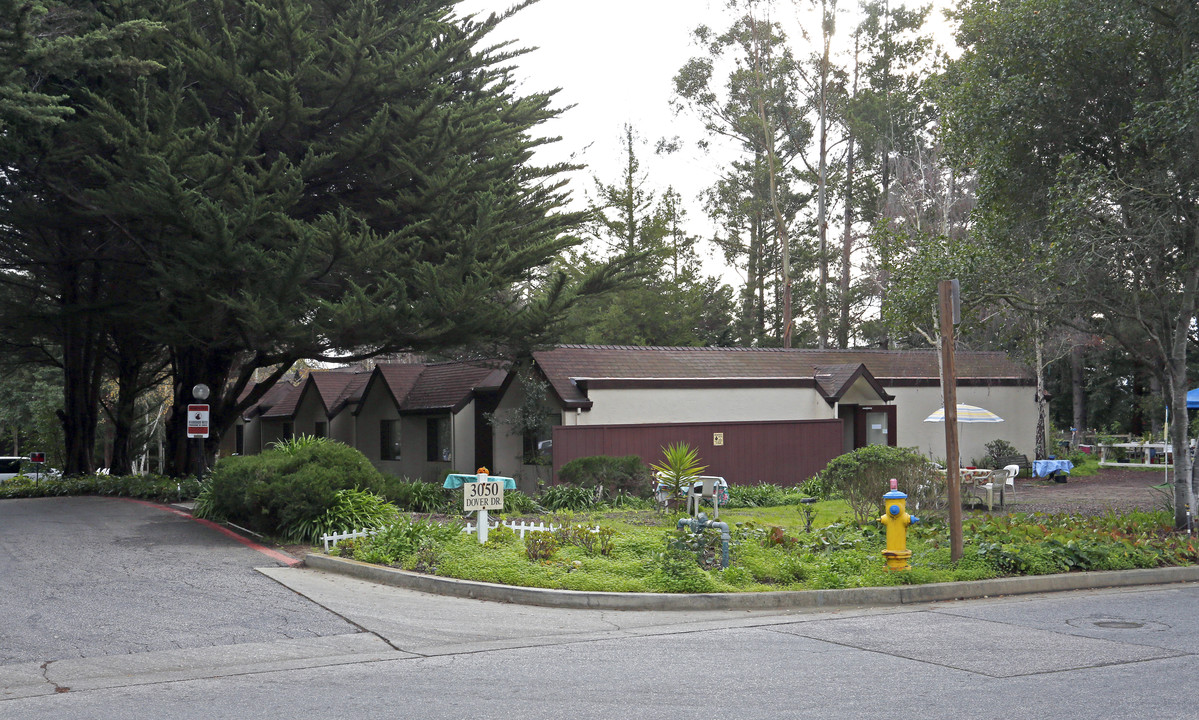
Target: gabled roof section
397 379
280 401
338 387
450 386
833 381
571 366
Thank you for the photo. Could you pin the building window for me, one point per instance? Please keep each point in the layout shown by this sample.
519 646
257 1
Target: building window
239 442
289 431
389 439
320 429
437 439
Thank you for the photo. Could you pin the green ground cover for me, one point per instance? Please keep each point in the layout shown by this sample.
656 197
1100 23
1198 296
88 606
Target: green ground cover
642 551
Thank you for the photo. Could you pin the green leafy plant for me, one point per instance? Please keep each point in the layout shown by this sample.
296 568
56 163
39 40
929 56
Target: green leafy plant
678 469
142 487
402 539
417 496
288 485
863 476
351 510
762 495
616 475
567 497
540 545
519 503
997 450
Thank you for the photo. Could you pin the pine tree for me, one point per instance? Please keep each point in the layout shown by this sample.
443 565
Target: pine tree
305 180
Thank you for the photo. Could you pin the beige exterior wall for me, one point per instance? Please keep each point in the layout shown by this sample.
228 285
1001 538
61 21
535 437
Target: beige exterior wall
634 406
462 441
509 445
309 412
343 427
376 407
1014 404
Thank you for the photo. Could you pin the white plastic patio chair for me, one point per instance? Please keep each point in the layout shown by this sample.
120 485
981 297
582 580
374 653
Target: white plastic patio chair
1012 472
704 487
996 482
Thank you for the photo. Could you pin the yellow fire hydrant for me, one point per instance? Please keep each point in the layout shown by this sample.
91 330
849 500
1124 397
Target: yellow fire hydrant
896 520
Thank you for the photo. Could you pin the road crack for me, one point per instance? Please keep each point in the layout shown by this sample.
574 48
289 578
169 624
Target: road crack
46 676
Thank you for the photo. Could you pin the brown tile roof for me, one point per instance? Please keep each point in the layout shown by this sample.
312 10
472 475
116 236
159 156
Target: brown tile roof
331 386
280 401
565 365
449 386
833 381
399 379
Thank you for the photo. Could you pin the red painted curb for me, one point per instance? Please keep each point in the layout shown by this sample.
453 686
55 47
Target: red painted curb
273 554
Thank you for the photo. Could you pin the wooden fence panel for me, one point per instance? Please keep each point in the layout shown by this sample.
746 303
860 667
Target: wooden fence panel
781 452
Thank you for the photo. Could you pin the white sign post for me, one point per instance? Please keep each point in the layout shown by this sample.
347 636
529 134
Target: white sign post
483 495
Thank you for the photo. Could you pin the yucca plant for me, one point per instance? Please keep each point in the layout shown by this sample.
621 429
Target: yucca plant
679 469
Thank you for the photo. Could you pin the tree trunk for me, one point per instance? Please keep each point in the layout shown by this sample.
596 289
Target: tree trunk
1042 405
82 371
1077 389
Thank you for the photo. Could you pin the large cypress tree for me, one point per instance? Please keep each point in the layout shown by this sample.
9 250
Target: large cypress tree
310 179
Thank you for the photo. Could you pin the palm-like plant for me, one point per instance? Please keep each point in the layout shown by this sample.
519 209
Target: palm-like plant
679 469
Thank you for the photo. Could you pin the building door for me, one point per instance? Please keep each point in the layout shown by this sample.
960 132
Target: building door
874 425
485 404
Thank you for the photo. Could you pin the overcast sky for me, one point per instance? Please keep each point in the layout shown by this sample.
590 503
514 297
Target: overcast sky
615 62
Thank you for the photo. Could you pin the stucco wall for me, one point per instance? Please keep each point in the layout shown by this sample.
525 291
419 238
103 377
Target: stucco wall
509 445
621 406
1015 405
309 412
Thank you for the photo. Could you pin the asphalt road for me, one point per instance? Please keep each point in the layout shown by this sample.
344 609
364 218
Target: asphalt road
89 577
352 649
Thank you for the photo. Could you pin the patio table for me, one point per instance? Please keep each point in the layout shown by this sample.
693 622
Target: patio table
455 480
1049 468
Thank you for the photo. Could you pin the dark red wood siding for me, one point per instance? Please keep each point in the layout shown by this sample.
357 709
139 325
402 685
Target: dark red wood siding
781 452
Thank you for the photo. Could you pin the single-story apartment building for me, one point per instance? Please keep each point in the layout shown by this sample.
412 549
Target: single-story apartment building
761 414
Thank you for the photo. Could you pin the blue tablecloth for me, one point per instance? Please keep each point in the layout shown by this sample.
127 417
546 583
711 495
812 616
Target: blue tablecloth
1044 468
455 480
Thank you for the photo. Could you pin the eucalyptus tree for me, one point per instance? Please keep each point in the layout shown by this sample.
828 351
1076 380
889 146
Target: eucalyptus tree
1089 112
754 107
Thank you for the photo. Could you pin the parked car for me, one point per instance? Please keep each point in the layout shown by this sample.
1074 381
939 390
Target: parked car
12 466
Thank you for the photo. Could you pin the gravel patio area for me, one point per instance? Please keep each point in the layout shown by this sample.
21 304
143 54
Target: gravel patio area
1109 489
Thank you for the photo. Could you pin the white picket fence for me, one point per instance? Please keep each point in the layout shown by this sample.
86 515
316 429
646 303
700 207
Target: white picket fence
330 541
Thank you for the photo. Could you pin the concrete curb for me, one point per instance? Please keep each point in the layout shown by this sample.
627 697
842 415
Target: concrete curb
800 599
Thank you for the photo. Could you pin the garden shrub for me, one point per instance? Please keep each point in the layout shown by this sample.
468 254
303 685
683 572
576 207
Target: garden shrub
540 545
517 502
142 487
417 496
863 476
997 451
763 495
351 510
402 539
676 570
288 485
626 475
567 497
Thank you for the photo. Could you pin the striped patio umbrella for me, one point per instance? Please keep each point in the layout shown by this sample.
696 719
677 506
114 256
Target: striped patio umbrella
966 414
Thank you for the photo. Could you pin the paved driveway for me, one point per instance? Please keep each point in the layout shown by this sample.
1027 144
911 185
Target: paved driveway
83 577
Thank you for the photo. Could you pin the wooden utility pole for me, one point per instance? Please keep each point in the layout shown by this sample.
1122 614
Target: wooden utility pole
945 291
